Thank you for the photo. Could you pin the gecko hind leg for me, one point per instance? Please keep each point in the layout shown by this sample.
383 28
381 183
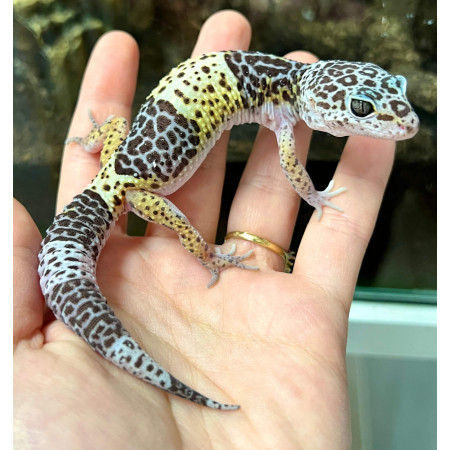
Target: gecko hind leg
157 209
106 137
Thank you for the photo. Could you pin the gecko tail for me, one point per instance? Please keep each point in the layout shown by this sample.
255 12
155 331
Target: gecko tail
127 354
67 266
91 318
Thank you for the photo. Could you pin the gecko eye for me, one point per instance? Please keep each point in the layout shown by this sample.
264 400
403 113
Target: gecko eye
361 108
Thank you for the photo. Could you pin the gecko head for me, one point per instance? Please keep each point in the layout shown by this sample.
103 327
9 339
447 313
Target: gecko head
347 98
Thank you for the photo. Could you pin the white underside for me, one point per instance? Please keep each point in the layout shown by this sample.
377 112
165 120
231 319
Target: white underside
269 116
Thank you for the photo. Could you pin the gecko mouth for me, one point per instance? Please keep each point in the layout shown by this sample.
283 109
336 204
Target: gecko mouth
407 131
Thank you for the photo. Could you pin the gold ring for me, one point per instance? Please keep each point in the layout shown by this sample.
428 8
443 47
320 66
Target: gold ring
288 257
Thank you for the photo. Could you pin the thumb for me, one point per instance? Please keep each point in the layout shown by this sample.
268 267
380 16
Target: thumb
28 308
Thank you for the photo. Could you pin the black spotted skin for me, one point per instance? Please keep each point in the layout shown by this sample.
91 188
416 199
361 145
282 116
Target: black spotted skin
171 135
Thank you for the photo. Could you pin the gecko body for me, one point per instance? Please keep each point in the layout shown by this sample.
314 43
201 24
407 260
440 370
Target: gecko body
171 135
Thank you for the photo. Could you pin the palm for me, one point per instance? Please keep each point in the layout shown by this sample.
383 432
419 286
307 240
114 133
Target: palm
260 339
272 342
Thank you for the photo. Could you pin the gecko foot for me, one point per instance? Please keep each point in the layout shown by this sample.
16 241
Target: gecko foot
93 142
321 199
220 261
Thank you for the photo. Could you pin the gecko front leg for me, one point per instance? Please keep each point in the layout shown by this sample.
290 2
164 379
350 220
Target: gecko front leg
298 176
106 137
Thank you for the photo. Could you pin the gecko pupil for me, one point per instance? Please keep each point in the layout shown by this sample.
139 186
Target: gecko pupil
361 108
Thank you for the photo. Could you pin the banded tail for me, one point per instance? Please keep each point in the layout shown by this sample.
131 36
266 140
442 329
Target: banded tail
67 264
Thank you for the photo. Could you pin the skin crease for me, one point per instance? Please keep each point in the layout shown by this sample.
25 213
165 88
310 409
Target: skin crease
272 342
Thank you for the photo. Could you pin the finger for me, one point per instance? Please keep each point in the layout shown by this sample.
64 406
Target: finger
332 249
224 30
108 88
265 203
199 198
28 306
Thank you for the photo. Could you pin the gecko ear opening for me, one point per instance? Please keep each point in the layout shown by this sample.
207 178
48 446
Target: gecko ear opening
403 82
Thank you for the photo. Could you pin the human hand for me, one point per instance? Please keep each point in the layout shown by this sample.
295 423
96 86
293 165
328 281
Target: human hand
270 341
